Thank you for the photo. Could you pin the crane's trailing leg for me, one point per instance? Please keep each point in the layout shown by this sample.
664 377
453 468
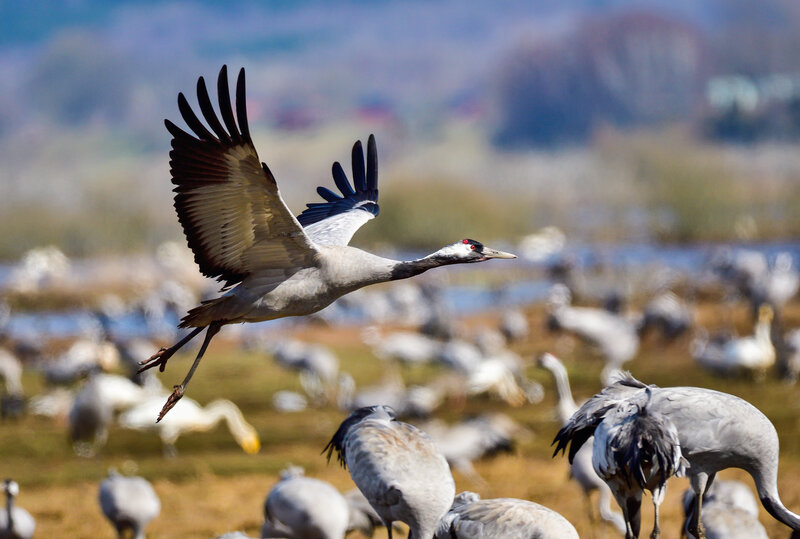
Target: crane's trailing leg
161 357
178 391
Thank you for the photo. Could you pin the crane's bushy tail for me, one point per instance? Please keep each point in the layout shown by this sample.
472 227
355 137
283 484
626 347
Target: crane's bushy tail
583 422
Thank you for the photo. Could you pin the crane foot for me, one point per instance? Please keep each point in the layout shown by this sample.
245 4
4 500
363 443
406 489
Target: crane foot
159 359
173 399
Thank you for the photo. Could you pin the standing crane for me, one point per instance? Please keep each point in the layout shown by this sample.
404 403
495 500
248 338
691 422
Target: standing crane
272 264
397 467
15 522
715 431
636 448
129 503
581 468
730 511
300 506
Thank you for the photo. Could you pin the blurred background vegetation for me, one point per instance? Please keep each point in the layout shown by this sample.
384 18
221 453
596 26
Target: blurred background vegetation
616 120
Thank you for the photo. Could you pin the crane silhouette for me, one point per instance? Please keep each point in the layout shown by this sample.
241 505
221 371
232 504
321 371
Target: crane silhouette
272 263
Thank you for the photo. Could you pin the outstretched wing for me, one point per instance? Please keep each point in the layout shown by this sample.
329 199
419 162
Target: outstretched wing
227 202
335 221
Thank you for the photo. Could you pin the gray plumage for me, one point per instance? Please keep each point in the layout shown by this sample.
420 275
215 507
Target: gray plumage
637 448
614 336
715 430
129 503
15 522
509 518
514 325
472 439
668 314
730 511
273 264
89 418
581 467
300 507
362 516
397 467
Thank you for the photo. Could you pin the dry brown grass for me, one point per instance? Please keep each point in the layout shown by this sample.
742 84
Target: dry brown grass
212 487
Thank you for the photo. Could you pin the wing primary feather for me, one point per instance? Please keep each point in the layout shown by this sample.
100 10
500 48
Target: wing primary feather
224 97
241 106
340 179
327 194
192 121
341 215
359 174
177 132
372 164
208 112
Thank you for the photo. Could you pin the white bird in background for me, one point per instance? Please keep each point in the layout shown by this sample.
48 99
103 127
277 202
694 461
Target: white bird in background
317 365
362 516
299 506
402 346
397 467
791 365
129 503
92 409
273 264
637 448
89 418
472 439
750 272
514 325
15 522
189 416
753 354
667 313
12 396
614 335
581 467
715 430
470 517
730 511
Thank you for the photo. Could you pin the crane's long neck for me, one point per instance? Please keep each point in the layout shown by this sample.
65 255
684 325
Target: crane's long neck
767 486
762 331
410 268
9 512
222 409
566 404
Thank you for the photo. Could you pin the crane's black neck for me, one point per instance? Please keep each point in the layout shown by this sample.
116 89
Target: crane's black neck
406 269
9 511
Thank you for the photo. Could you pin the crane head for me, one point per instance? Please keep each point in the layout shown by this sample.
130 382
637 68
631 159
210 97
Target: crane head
468 250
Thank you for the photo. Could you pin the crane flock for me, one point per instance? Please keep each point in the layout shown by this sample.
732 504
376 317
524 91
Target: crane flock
628 438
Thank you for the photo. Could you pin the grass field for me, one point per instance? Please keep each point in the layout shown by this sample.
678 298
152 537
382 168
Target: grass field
212 487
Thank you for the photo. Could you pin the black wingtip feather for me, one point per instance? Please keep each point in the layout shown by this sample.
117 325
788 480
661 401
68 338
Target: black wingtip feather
225 108
363 197
327 194
192 120
359 172
241 106
372 164
340 179
208 111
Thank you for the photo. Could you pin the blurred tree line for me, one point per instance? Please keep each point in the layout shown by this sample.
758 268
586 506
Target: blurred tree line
640 67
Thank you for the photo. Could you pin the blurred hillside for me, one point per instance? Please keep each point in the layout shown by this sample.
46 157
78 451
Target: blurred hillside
529 106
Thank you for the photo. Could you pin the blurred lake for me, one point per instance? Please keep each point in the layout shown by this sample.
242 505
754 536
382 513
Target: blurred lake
621 265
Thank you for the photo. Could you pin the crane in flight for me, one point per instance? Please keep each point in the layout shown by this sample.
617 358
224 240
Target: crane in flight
272 263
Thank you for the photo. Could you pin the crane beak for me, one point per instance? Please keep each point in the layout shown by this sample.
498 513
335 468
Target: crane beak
251 445
493 253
